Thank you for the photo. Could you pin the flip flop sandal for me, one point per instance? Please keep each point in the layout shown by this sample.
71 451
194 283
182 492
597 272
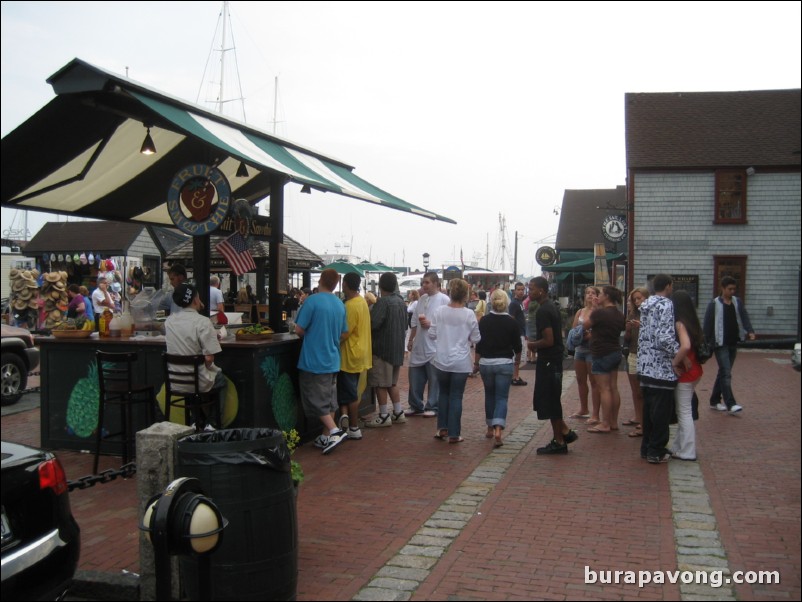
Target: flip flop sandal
630 422
455 440
591 422
498 442
635 433
594 429
442 435
579 416
489 432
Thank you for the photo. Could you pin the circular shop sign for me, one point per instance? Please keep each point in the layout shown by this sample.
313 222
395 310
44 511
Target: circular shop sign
545 256
196 187
614 227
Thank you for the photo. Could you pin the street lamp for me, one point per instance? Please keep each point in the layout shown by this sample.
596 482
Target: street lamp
426 262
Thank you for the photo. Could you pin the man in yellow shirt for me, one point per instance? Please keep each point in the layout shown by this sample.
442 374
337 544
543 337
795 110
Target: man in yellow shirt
356 354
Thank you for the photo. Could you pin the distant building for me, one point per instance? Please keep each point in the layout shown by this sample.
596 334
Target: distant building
13 256
583 216
714 187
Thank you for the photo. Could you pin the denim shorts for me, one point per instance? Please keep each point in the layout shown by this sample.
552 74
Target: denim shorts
606 363
582 355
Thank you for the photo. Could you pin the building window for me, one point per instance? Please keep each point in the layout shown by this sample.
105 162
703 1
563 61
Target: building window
730 265
730 197
153 271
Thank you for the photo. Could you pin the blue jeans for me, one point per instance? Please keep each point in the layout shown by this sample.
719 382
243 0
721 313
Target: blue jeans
418 377
725 356
452 387
497 379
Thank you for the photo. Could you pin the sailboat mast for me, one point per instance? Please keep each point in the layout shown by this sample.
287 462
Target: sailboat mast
222 58
275 103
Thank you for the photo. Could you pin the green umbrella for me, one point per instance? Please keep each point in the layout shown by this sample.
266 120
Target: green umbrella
343 267
366 266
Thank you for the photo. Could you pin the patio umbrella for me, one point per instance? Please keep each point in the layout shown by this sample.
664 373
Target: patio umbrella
366 266
343 267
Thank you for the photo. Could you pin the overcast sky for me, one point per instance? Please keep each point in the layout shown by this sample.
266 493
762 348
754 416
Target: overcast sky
474 110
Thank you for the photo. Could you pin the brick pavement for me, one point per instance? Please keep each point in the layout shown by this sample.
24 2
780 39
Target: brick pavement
541 521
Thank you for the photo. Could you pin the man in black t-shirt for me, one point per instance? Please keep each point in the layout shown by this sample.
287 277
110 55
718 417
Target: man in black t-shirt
549 368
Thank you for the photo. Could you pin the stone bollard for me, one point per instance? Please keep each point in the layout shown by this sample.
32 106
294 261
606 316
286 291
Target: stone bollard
155 469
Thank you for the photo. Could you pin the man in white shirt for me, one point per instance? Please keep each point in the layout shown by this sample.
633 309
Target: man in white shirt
190 333
101 298
422 349
216 301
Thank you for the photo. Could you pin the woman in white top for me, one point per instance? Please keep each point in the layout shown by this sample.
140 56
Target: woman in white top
454 328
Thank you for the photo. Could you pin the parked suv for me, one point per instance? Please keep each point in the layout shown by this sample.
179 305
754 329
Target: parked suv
19 357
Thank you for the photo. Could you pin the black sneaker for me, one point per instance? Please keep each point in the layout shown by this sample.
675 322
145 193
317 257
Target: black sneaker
570 436
334 440
552 448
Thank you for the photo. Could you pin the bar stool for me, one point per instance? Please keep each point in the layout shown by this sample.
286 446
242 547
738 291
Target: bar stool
117 387
190 397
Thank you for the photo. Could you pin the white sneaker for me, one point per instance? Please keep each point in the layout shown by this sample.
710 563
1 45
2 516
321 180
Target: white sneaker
344 422
334 441
735 409
380 421
399 418
321 441
721 407
354 433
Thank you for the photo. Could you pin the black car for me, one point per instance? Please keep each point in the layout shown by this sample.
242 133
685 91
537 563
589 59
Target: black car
41 540
19 357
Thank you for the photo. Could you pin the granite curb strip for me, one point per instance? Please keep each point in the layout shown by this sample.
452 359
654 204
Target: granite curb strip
696 536
403 574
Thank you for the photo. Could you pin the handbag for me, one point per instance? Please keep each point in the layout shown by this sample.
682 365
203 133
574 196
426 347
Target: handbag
574 338
704 352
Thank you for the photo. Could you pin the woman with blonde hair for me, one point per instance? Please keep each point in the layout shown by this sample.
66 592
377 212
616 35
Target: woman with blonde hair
453 328
495 354
636 297
582 361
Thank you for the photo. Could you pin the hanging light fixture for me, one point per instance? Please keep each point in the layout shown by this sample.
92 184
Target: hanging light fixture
242 170
306 189
148 148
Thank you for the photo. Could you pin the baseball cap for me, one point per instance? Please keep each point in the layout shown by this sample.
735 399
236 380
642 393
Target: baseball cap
184 293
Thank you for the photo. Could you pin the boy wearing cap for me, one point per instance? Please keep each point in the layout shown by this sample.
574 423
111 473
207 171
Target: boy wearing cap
190 333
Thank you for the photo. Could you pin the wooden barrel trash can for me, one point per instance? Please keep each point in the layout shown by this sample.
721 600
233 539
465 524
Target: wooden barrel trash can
246 472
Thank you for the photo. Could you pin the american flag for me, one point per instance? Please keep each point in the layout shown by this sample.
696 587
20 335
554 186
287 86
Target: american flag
235 250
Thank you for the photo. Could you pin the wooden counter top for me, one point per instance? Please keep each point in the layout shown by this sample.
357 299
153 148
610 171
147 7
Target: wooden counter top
230 341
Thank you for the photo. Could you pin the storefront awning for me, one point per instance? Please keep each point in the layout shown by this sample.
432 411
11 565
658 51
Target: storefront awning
581 265
79 154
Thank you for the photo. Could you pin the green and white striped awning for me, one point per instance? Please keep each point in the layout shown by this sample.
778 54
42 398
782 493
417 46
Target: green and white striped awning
79 154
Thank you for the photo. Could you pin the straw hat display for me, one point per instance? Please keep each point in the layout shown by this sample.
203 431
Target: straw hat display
23 289
54 292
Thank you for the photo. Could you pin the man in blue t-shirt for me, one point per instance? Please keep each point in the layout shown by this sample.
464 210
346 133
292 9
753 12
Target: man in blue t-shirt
322 323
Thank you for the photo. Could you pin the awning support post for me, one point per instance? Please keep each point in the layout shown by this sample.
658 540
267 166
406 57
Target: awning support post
276 238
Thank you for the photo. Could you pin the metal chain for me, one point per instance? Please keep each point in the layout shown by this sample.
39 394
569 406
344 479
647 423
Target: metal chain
126 471
31 389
